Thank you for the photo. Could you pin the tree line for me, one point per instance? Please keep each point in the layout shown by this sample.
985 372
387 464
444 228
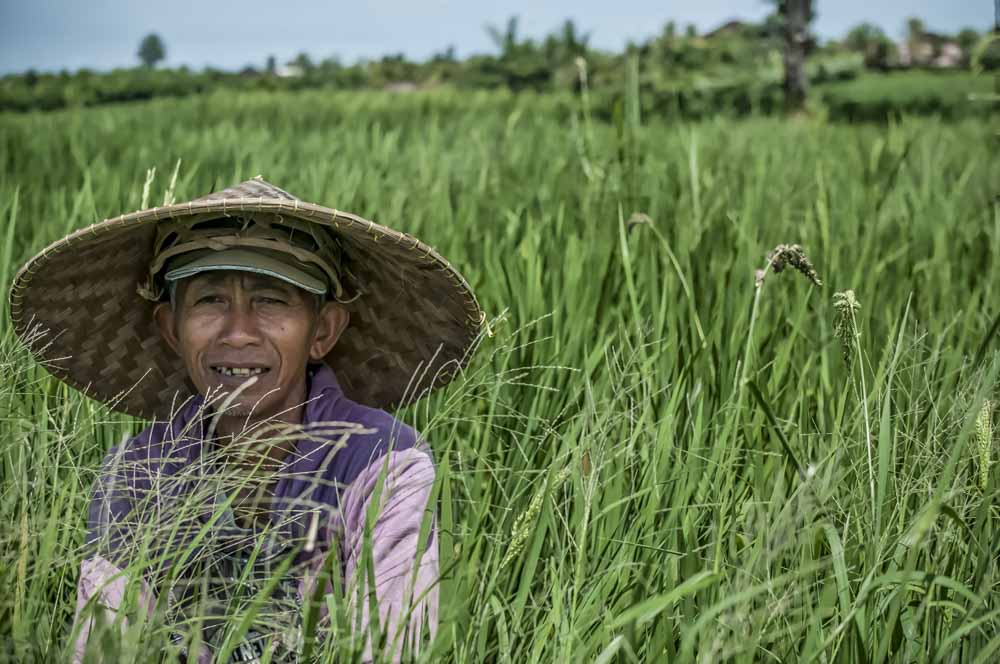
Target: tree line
743 65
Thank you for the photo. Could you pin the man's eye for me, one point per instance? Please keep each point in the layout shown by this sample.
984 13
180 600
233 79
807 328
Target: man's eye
208 299
270 300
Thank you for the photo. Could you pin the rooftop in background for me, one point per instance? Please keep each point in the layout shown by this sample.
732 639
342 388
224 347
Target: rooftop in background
50 35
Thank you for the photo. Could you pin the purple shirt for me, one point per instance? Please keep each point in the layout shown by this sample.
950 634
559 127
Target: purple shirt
346 456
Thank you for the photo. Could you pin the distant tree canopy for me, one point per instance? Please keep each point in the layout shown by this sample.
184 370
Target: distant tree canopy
504 39
731 68
863 36
303 62
151 50
873 44
967 38
986 54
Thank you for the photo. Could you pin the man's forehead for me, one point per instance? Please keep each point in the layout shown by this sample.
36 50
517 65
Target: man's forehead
248 280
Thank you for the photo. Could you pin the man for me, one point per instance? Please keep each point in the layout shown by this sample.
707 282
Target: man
273 504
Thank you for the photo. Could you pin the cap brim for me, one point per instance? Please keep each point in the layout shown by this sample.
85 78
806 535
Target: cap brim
245 260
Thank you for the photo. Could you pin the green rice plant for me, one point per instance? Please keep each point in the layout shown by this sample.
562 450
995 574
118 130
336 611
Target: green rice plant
846 330
615 474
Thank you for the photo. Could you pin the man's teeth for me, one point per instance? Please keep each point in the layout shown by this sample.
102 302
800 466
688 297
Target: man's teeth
239 371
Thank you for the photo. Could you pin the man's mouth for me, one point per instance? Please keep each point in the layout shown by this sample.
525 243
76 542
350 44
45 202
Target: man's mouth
240 372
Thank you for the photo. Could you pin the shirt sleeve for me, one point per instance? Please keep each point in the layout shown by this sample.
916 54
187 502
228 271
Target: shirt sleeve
102 584
405 569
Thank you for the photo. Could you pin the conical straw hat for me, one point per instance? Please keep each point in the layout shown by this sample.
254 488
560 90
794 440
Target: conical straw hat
412 327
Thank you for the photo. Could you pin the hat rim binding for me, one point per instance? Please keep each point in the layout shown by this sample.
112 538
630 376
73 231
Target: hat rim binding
466 316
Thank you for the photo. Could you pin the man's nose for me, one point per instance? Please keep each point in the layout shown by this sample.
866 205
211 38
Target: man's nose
240 328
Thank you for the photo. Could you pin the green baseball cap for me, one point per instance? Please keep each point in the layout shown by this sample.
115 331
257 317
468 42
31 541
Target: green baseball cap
275 264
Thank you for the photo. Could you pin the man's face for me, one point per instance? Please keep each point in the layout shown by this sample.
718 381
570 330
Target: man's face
229 326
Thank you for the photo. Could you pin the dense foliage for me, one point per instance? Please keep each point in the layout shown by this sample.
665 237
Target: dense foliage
151 50
736 69
881 96
655 456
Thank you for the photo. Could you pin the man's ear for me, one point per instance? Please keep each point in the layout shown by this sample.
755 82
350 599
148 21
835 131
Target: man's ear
164 315
333 319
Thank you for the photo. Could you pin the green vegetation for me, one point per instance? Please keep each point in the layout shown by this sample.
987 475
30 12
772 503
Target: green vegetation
837 87
736 69
151 50
656 456
880 96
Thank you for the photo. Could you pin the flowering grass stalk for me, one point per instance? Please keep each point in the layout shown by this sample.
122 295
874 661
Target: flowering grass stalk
984 443
847 306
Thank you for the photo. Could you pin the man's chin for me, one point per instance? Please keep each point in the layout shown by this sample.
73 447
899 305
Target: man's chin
249 403
245 405
241 410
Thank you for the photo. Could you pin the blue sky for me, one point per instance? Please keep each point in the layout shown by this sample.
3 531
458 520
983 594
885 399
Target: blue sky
49 35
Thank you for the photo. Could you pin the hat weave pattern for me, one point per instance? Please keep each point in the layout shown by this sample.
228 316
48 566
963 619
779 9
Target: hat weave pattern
411 330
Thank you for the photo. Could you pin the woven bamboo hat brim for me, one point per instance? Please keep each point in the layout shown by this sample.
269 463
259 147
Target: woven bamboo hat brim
412 327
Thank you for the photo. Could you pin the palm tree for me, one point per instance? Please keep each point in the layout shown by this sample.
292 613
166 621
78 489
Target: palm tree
506 40
573 42
565 44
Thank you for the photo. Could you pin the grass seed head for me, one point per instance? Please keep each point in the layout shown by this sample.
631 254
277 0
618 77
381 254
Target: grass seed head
984 442
581 69
845 327
525 522
638 219
789 255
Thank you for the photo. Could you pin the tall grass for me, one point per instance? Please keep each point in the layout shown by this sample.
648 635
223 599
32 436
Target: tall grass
617 471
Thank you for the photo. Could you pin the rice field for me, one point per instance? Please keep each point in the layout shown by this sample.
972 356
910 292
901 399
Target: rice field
664 451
